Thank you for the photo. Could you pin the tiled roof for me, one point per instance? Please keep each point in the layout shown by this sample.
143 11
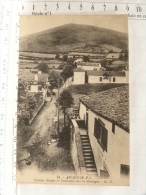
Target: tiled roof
104 73
89 64
30 77
112 104
96 72
79 70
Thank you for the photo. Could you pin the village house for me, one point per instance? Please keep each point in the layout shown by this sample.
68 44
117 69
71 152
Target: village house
78 60
113 56
35 80
100 138
89 66
82 76
36 71
108 76
79 76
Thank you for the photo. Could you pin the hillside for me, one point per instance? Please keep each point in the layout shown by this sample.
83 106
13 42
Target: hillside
72 37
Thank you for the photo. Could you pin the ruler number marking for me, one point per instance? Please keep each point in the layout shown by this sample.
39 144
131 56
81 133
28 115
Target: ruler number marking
45 6
57 6
104 7
92 7
116 8
138 9
81 6
69 7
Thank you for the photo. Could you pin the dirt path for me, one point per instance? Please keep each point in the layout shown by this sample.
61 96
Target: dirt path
47 152
43 121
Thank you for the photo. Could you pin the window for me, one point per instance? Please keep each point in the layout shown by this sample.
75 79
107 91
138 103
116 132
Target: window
113 128
101 133
100 79
29 87
114 79
125 169
39 88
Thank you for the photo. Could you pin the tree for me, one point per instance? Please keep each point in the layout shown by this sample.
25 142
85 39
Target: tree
65 58
43 67
103 63
54 78
57 56
65 100
126 55
67 72
107 75
86 58
121 56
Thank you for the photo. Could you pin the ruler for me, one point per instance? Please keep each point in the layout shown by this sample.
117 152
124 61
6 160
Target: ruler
9 33
132 8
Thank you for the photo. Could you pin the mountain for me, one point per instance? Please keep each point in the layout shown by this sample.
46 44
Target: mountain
71 37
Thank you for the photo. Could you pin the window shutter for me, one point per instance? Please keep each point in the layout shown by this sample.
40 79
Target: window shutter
97 127
104 138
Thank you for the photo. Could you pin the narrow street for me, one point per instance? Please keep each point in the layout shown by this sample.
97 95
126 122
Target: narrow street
48 153
43 122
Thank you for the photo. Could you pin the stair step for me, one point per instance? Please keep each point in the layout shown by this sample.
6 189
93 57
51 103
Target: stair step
86 147
91 169
88 154
89 158
89 161
87 150
84 138
91 166
85 141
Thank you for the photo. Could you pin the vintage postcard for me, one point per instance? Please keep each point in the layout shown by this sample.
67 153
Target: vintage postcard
73 100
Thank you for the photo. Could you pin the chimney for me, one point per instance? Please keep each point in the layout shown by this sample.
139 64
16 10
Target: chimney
36 77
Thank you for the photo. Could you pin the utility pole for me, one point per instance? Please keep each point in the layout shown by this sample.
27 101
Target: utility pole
58 104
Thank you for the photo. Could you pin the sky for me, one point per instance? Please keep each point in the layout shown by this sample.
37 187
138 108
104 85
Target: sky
33 24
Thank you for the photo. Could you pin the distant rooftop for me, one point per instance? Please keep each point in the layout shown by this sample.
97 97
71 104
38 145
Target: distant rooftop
89 64
28 76
79 70
112 104
113 55
104 73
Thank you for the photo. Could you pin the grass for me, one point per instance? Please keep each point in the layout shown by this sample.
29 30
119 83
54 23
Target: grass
86 89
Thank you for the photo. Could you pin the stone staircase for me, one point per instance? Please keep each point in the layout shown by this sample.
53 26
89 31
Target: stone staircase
88 156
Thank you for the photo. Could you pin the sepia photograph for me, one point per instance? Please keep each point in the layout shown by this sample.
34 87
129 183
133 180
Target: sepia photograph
73 100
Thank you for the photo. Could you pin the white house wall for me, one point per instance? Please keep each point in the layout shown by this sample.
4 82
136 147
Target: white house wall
119 79
117 147
96 79
79 78
34 88
82 111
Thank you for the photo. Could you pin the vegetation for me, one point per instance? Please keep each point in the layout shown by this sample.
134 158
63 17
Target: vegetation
67 72
43 67
54 79
66 38
87 89
27 102
65 101
86 58
65 58
57 56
